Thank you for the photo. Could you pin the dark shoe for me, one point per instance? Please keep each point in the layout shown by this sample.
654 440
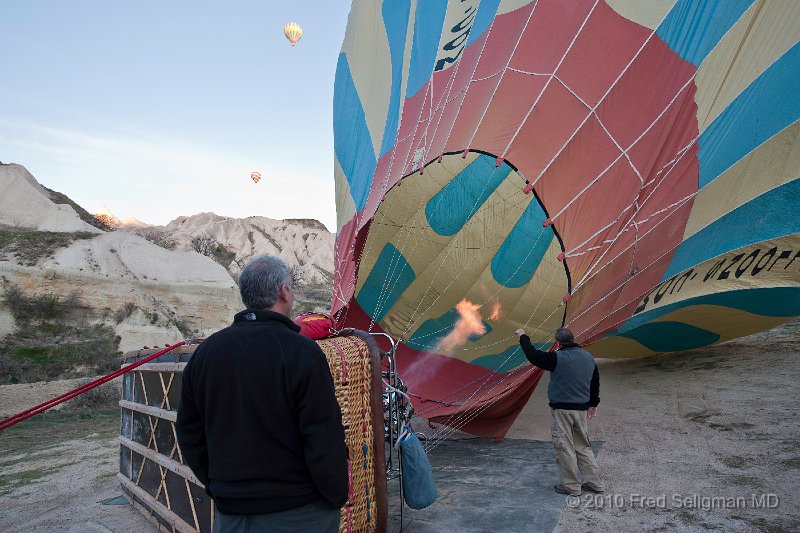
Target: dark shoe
591 488
561 489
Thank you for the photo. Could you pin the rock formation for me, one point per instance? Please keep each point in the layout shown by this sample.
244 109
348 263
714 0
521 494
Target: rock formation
148 294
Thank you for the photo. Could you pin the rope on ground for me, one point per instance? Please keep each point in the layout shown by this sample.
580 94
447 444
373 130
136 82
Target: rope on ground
42 407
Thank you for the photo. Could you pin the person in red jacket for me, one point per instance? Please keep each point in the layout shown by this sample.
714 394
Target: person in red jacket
258 422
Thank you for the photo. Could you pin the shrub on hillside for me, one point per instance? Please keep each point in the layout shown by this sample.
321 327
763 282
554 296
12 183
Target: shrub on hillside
204 245
28 247
101 397
124 312
159 237
223 256
46 351
40 307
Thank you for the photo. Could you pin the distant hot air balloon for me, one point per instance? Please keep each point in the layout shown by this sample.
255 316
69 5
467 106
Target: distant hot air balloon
255 176
293 32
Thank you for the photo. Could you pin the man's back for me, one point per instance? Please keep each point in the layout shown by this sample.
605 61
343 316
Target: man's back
272 428
570 379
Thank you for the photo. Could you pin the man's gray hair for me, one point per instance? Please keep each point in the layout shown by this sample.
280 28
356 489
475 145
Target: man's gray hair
261 279
564 336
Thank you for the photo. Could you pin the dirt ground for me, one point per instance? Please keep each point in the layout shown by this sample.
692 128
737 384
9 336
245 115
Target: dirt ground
702 440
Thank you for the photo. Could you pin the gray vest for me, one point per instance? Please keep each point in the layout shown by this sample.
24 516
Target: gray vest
569 382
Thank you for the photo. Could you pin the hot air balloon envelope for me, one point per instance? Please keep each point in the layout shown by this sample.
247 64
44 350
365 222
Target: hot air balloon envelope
627 169
293 32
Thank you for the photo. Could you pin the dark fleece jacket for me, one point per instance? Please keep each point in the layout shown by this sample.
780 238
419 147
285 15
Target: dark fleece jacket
258 422
549 361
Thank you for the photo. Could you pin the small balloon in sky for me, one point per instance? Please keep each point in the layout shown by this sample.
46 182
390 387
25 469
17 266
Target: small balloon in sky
255 176
293 32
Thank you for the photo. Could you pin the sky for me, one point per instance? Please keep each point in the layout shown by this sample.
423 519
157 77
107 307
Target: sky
161 109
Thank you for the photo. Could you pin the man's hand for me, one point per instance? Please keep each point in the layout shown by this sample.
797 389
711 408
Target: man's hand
520 332
591 413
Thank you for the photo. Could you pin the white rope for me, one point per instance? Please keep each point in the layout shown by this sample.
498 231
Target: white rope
384 294
490 373
503 73
550 79
488 299
589 273
584 311
527 322
466 89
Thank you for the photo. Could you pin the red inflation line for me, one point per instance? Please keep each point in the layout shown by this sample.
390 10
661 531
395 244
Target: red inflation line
42 407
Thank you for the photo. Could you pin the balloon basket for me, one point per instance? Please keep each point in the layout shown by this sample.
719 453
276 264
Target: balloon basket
155 480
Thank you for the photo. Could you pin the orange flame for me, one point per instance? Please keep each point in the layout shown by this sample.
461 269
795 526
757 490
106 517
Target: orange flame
497 313
469 323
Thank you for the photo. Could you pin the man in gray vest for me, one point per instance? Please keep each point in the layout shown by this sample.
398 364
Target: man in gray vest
574 394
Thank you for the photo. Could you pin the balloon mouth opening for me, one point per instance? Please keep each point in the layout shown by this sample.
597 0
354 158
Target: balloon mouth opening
445 197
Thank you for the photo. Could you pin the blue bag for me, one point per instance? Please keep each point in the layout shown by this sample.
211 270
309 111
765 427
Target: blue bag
419 488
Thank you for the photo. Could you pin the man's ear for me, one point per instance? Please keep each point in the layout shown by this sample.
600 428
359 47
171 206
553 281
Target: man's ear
284 294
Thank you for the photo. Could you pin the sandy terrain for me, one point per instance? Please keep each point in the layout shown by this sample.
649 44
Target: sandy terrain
681 430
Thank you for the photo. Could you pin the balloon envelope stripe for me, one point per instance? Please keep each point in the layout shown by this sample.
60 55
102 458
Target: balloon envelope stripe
761 219
352 142
694 27
767 106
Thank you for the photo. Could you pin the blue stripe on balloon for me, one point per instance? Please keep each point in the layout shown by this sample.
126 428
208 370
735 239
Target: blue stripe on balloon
671 336
767 106
769 216
694 27
768 301
352 142
483 19
428 22
508 359
520 254
395 20
386 282
460 199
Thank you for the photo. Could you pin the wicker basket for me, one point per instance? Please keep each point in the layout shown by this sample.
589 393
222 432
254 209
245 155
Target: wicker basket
155 480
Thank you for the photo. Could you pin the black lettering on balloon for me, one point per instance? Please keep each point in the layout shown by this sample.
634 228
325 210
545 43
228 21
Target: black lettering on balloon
445 60
747 262
662 290
792 261
466 22
784 255
462 30
683 278
769 254
457 42
726 273
713 270
642 305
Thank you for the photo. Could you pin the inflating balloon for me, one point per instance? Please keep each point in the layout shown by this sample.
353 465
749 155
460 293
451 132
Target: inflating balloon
627 169
293 32
255 176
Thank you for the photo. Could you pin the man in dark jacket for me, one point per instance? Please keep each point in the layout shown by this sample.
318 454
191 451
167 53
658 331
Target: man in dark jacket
574 393
259 423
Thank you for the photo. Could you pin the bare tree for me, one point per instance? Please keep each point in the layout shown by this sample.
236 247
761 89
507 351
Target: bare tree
298 277
204 244
158 237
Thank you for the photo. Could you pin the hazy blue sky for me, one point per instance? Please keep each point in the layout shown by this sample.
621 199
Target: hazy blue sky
160 109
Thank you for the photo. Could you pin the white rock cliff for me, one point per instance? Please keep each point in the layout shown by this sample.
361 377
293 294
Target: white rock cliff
114 272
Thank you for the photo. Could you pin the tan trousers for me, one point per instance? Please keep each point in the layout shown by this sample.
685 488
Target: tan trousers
573 450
